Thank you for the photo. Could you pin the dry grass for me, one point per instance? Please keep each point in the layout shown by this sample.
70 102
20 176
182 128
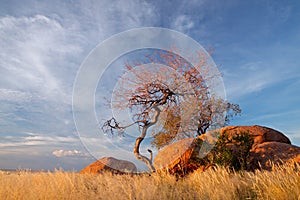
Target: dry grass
282 183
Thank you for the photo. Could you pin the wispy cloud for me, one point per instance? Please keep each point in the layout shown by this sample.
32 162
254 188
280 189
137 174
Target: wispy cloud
35 139
22 144
250 78
183 23
106 18
29 46
41 53
14 95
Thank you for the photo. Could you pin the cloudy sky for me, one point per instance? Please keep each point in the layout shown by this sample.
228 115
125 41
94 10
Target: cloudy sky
43 43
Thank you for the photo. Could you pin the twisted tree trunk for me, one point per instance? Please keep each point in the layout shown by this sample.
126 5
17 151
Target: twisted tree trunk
138 141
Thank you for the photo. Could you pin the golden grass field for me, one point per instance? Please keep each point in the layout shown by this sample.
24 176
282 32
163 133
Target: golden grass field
281 183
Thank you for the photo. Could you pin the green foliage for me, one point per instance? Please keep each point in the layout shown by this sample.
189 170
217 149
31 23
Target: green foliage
231 151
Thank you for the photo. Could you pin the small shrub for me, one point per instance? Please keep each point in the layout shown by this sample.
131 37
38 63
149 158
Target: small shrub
231 152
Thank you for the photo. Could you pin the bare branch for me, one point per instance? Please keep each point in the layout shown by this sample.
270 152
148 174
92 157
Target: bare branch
112 124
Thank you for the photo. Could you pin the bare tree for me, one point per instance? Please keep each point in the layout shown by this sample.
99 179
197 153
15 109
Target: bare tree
159 96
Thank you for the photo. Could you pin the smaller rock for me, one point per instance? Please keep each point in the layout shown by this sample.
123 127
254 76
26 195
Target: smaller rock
110 164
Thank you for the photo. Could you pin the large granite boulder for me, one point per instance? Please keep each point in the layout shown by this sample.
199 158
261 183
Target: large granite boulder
110 164
268 146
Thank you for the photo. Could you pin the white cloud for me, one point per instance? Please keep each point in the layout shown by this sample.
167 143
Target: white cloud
64 153
54 139
21 144
36 139
183 23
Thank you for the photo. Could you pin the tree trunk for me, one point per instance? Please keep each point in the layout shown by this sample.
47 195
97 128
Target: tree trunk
139 140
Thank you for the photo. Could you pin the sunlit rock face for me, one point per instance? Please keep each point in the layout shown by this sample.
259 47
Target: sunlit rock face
265 155
260 134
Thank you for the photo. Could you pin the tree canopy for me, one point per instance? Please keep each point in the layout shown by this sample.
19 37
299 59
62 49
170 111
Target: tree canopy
175 100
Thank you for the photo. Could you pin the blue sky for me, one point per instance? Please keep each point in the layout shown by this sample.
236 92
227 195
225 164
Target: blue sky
43 43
